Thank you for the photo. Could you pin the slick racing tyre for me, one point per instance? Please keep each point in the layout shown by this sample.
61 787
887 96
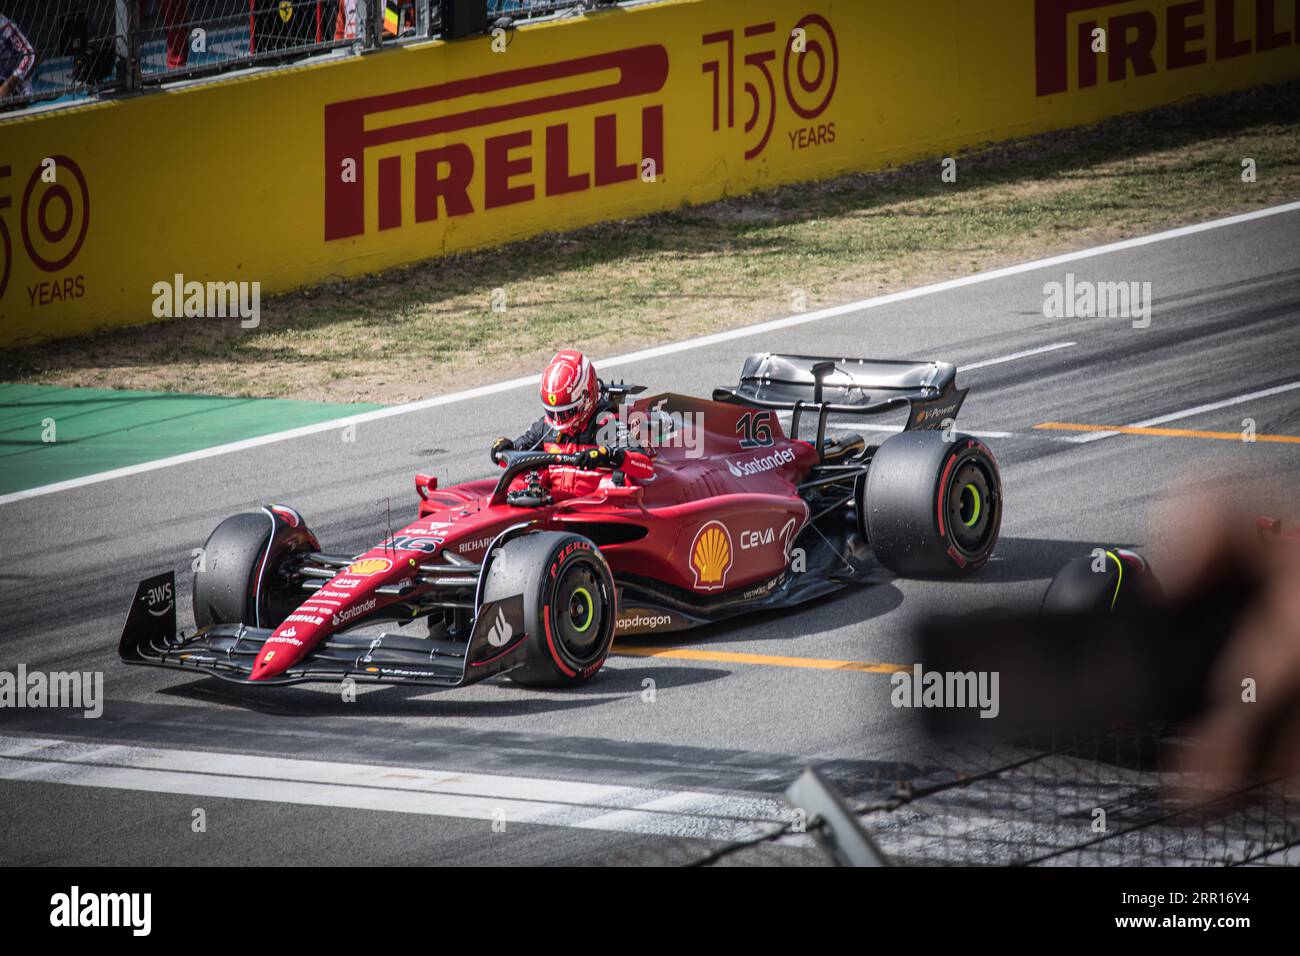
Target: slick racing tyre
570 605
1110 580
932 507
245 572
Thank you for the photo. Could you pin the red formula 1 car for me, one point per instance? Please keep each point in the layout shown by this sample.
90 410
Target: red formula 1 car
738 517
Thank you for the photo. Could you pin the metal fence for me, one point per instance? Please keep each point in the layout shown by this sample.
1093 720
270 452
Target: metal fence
69 50
1107 800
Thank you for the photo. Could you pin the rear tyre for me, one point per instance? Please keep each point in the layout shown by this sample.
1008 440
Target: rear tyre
933 507
246 573
570 605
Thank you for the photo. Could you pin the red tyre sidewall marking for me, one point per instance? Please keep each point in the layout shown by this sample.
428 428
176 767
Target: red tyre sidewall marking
958 558
553 574
942 496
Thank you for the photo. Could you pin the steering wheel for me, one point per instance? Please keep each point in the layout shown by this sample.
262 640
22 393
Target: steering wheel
534 459
517 462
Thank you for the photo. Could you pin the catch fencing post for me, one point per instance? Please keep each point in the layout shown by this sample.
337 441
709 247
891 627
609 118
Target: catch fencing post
127 46
370 19
837 830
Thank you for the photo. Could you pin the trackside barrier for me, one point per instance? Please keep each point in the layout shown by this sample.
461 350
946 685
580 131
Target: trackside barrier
135 209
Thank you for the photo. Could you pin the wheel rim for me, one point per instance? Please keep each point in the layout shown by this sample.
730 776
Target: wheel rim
578 609
581 610
971 508
968 504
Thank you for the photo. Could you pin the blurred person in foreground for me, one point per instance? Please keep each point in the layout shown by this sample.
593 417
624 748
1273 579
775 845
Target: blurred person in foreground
1250 726
1214 653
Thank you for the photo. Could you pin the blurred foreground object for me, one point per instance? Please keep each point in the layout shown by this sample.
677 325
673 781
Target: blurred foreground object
1218 655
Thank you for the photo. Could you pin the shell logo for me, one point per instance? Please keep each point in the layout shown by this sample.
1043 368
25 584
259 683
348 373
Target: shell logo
368 566
711 556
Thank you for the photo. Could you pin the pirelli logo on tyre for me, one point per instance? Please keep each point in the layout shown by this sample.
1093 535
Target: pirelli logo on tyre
482 159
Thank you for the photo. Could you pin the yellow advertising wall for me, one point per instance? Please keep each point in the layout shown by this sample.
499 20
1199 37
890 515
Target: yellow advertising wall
348 167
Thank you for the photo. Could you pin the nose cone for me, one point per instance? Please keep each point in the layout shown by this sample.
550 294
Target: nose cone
288 644
271 661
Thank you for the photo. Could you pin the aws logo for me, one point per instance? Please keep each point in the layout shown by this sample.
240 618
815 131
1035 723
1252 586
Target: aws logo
712 556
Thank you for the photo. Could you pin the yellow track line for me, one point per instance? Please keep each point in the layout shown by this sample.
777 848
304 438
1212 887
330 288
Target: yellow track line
770 660
1167 432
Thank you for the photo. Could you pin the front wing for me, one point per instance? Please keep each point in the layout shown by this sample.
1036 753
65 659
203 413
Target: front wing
227 651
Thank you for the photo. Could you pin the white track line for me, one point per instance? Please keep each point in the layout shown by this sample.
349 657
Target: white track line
472 796
1016 356
1189 412
857 427
658 351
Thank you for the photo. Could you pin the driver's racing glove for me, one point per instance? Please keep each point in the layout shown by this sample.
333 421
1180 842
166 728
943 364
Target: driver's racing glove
500 445
601 457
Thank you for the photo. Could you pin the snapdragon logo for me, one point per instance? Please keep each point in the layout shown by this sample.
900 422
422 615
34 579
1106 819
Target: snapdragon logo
756 466
656 427
647 622
1073 299
957 689
211 300
74 690
75 909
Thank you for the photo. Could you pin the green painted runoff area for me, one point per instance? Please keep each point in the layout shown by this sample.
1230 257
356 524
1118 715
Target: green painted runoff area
96 429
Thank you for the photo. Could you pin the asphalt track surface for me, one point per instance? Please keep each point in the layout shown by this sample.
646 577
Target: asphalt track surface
498 774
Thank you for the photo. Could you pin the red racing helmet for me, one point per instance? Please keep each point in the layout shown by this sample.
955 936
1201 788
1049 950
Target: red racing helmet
569 392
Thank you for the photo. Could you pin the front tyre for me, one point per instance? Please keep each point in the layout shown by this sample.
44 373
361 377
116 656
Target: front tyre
245 575
570 605
933 507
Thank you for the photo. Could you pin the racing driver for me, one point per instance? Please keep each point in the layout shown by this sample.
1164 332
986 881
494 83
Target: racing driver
574 410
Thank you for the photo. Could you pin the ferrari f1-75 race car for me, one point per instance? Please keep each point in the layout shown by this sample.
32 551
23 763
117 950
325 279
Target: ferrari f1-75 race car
510 579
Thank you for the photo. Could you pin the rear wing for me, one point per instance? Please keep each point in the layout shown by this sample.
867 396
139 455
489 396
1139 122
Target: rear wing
798 383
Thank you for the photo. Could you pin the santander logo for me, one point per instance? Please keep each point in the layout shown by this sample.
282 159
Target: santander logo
756 466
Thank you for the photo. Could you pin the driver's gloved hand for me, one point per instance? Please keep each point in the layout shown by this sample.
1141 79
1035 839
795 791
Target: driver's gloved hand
601 457
500 445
